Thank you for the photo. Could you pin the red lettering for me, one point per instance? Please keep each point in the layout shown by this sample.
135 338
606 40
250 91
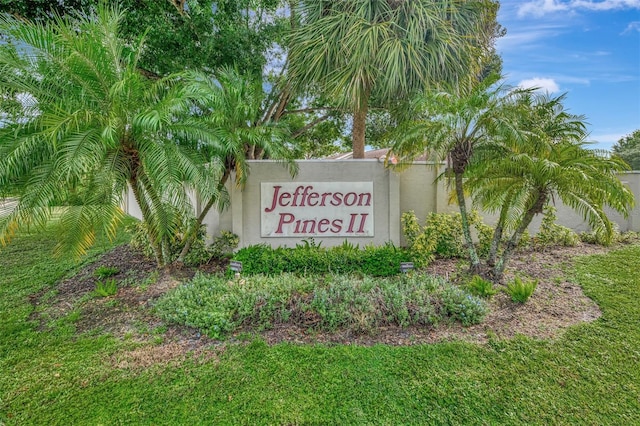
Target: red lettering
324 197
337 199
296 194
350 199
352 222
336 226
275 198
363 218
285 218
311 197
283 196
323 226
362 195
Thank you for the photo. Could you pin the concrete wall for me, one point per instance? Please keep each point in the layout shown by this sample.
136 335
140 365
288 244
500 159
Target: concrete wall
394 192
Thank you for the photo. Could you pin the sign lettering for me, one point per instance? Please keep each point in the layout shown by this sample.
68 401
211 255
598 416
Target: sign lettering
331 209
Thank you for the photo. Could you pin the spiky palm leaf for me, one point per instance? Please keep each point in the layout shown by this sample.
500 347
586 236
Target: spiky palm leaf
97 124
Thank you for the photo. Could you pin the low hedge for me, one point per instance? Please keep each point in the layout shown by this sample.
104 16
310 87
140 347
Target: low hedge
310 258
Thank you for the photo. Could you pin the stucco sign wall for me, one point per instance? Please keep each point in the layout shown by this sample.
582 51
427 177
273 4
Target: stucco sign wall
307 209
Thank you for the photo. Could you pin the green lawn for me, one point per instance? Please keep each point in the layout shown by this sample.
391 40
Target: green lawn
589 376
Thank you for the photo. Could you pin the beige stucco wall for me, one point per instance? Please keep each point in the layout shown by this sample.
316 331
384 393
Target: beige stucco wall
414 188
244 213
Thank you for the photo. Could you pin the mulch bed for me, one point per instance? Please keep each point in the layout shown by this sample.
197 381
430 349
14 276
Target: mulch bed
556 305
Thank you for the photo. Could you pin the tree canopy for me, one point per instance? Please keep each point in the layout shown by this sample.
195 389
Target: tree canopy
365 52
628 148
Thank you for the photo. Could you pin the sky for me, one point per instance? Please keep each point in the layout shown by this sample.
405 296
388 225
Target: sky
589 49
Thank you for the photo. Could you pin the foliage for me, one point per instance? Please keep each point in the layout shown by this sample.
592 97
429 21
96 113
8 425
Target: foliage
202 34
628 148
224 244
462 306
481 287
458 126
96 124
106 288
64 377
361 52
199 252
371 260
552 234
592 237
329 303
103 271
441 236
521 175
521 290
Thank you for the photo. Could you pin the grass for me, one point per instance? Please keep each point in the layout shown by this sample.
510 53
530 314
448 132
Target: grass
589 376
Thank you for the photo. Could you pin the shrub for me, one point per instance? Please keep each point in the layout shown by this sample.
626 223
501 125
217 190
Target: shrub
106 288
521 290
551 234
481 287
442 236
218 306
463 306
103 271
199 253
310 258
599 237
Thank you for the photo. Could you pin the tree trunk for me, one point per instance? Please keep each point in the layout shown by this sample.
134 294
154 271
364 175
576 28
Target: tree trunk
146 218
357 135
501 264
497 236
193 232
466 230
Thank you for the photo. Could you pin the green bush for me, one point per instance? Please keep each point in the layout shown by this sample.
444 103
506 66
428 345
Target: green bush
442 236
199 253
218 306
600 238
309 258
552 234
463 306
521 290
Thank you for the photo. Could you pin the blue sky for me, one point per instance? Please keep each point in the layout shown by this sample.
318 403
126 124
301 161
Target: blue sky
586 48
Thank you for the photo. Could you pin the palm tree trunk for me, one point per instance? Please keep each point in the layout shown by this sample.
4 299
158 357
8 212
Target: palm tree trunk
359 126
501 264
193 232
165 251
466 230
497 236
146 218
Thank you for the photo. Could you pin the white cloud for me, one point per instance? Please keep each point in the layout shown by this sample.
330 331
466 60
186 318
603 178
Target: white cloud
544 84
543 7
632 27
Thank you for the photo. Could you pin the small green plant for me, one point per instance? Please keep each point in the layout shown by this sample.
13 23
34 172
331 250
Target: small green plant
462 306
481 287
103 272
521 290
106 288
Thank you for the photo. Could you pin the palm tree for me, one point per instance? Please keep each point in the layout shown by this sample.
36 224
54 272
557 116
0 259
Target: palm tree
96 125
551 162
231 109
455 126
361 51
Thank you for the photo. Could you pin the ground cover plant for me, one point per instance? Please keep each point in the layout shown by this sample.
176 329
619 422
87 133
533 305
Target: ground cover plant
67 372
219 306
